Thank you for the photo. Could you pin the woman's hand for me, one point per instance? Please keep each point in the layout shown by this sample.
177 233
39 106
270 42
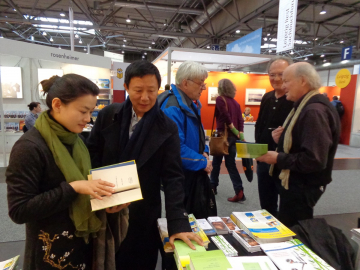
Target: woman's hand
95 188
117 208
276 134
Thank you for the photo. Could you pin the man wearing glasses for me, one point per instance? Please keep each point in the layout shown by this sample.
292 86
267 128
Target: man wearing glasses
179 105
274 109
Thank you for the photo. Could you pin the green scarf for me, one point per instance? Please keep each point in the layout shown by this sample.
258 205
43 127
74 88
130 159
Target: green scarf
75 167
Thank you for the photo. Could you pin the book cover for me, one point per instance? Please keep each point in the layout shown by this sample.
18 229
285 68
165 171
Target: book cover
9 264
127 186
164 234
197 229
251 263
246 241
218 224
182 251
206 227
251 150
224 245
214 260
294 254
230 224
262 226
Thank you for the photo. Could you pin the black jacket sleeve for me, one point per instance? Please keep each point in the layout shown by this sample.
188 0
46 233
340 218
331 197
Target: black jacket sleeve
94 142
173 178
26 170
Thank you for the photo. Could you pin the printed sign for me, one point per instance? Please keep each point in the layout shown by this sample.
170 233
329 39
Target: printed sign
286 25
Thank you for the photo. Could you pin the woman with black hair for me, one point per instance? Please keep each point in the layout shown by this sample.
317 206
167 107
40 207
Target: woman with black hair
31 117
46 186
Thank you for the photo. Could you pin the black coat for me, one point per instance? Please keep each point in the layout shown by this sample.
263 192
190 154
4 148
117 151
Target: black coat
159 162
39 196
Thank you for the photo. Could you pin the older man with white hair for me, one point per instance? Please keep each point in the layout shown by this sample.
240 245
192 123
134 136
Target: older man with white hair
307 143
179 105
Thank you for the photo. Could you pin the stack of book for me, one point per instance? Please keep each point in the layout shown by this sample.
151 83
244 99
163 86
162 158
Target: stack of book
206 227
197 229
246 241
294 255
230 224
262 226
182 252
218 224
224 245
214 260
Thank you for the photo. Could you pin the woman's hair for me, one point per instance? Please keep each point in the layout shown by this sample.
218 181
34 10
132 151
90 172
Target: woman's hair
33 105
68 88
226 88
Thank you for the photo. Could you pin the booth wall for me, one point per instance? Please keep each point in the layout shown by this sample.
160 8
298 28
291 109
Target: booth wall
243 81
347 98
29 74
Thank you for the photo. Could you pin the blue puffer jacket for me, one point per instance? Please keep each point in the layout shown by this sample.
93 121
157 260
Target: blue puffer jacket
191 131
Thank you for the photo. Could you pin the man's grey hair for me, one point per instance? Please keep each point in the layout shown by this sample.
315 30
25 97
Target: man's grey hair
190 70
226 88
310 74
277 58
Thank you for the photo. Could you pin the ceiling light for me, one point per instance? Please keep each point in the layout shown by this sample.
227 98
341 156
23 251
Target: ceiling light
14 9
268 34
292 52
323 55
265 38
51 39
344 61
145 53
80 41
44 33
149 47
153 42
165 24
122 52
32 38
59 47
324 60
208 47
270 50
143 56
237 31
124 45
124 40
306 59
62 14
85 49
76 36
341 41
128 19
323 11
326 64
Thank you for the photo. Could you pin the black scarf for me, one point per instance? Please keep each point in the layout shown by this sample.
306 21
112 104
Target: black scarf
130 149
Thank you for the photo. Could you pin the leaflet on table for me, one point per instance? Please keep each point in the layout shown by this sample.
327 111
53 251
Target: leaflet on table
294 254
127 186
251 263
218 224
230 224
205 226
261 224
250 150
246 241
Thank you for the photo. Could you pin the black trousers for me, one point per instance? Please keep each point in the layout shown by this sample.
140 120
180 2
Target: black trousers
268 193
297 203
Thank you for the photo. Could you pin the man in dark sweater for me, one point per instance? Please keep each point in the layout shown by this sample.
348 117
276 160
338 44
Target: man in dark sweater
306 145
274 109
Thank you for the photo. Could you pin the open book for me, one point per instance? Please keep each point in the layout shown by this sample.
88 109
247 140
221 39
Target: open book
125 178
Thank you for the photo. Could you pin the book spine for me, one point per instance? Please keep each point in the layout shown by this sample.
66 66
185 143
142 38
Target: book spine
224 245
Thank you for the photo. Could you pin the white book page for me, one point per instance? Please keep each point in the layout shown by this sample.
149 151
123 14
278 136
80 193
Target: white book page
251 262
204 224
124 177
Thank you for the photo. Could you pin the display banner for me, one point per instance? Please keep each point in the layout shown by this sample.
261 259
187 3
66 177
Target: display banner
251 43
286 25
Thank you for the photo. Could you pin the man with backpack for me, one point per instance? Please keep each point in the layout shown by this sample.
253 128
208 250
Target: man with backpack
338 106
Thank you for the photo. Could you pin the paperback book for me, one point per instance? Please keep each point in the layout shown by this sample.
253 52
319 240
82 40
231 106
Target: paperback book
206 227
262 226
294 254
214 260
250 150
230 224
127 186
197 229
246 241
182 251
218 224
251 263
224 245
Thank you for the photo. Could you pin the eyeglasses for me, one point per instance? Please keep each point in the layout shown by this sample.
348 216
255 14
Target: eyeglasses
202 85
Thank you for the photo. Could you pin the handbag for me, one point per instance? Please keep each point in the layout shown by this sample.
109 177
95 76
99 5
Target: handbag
219 145
201 200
